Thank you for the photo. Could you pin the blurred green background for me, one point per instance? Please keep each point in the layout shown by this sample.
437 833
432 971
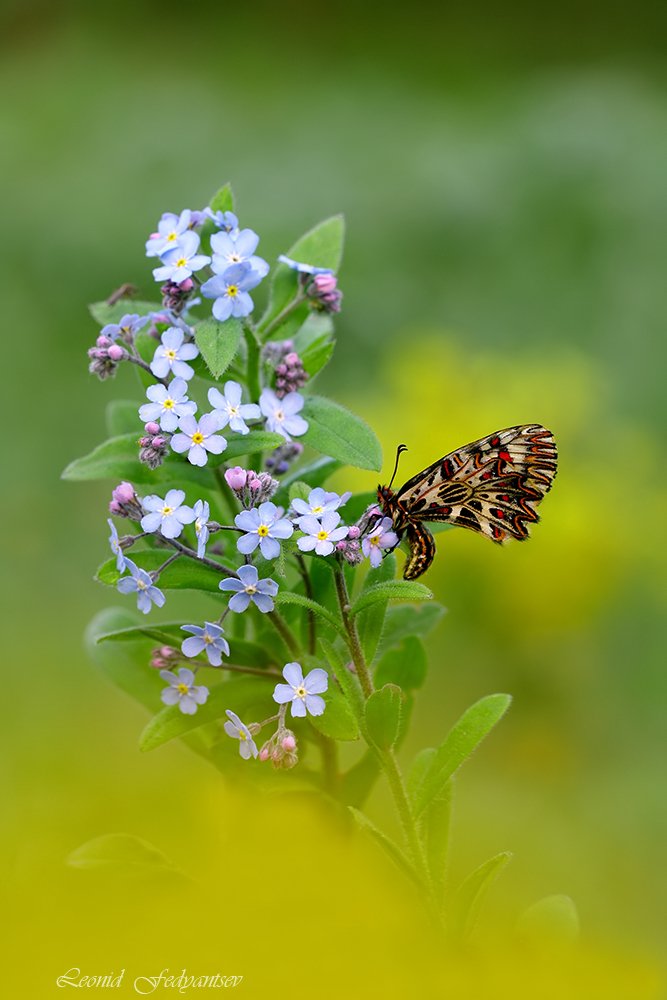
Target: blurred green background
502 175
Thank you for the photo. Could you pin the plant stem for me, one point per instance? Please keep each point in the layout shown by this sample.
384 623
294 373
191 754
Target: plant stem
282 316
308 587
184 550
136 360
350 625
284 631
156 572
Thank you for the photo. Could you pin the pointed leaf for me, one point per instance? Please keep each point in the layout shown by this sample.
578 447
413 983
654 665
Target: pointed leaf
315 474
218 343
338 721
402 622
393 590
250 443
470 893
103 313
122 417
406 666
244 654
223 199
383 716
118 458
371 621
399 858
338 433
464 737
287 597
183 574
122 852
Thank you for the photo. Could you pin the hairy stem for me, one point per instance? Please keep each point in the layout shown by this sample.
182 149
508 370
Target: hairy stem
282 316
358 658
191 554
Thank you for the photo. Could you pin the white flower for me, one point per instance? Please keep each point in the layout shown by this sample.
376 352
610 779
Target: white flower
282 414
321 535
231 409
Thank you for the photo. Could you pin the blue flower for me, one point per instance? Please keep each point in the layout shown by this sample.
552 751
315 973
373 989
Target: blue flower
296 265
321 535
141 583
230 291
166 515
239 731
172 354
381 537
209 639
182 691
181 262
303 692
170 228
319 502
226 221
249 588
114 542
199 438
231 409
237 248
168 403
127 327
282 415
202 513
263 525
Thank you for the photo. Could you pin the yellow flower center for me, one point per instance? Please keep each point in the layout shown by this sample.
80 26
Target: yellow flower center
374 539
262 531
183 689
242 735
169 404
199 525
172 237
171 355
197 437
166 511
232 291
181 262
301 692
317 510
208 639
141 585
322 535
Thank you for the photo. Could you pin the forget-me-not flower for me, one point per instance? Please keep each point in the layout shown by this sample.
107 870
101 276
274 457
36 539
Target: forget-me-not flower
282 415
114 543
141 583
297 265
208 639
230 291
249 588
172 355
127 327
229 405
226 221
321 535
182 690
166 515
303 692
168 404
170 228
202 513
181 262
381 537
263 525
199 438
237 248
239 731
319 502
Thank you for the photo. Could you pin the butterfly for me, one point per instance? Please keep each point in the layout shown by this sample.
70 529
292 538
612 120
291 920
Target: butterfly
491 485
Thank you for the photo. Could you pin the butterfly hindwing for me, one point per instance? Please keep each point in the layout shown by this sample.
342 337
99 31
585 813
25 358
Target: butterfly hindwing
422 551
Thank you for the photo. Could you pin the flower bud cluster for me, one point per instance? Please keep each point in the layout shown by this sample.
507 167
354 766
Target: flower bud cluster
324 290
104 357
154 445
251 488
281 749
282 457
175 295
163 657
125 502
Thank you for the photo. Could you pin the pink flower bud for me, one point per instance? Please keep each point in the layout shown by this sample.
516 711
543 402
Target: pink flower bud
158 663
115 352
341 546
236 477
103 341
114 507
255 484
154 236
158 442
325 282
123 493
144 442
167 651
151 427
186 285
264 753
353 532
291 359
289 744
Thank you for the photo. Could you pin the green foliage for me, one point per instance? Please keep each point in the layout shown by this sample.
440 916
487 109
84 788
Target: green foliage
338 721
469 895
288 597
218 343
463 738
245 654
314 342
122 666
183 574
122 417
337 663
406 666
299 491
391 590
371 620
336 432
389 846
118 458
223 199
103 313
383 716
549 921
314 473
250 443
404 622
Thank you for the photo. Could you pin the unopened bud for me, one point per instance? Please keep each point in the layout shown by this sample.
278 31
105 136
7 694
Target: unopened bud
289 743
115 352
236 477
151 427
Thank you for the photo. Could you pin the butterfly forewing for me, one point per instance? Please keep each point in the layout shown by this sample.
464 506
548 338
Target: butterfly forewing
491 486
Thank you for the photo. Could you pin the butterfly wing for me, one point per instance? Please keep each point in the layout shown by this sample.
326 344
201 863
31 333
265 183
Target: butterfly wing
491 485
422 551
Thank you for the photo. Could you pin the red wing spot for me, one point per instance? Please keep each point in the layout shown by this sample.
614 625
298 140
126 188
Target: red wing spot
505 455
486 475
497 512
505 498
495 442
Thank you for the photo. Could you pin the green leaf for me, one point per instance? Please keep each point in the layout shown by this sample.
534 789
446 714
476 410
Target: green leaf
338 721
321 246
122 417
249 444
344 677
183 574
553 919
120 852
314 342
401 623
237 694
218 343
406 666
223 199
463 738
357 783
288 597
126 668
103 313
399 858
118 458
371 621
391 590
337 432
245 653
299 491
315 474
470 893
435 823
383 716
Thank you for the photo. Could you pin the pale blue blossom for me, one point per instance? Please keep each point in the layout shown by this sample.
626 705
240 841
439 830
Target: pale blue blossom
182 690
237 248
282 415
229 405
264 526
181 262
170 228
168 404
126 327
114 543
319 502
202 513
380 538
239 731
172 355
230 291
302 692
199 438
249 588
141 583
297 265
208 639
166 514
321 535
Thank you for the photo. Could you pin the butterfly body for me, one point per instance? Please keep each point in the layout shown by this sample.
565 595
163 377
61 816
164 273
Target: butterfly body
490 486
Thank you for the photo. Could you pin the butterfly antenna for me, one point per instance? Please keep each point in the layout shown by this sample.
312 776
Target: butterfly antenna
401 448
